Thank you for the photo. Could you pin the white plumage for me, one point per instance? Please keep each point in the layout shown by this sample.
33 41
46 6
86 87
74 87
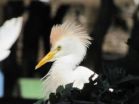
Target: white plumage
82 75
9 32
69 45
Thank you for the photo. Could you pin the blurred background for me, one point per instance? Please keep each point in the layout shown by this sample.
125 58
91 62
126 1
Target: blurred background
113 24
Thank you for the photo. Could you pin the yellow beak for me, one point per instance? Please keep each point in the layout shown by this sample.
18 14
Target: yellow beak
46 59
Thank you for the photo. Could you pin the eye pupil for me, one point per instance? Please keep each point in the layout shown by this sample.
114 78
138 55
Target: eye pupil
59 48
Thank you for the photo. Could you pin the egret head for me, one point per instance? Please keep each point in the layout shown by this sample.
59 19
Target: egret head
66 39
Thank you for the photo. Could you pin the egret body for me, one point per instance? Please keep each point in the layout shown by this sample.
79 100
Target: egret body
69 43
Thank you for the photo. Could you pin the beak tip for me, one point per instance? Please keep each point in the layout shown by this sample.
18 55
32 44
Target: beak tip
46 59
36 67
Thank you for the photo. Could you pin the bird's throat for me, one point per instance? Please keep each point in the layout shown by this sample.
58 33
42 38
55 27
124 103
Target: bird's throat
63 68
69 62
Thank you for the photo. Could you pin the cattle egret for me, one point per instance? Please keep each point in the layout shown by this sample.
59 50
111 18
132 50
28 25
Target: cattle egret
9 32
69 43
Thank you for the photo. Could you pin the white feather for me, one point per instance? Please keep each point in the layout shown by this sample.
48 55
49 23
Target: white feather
74 41
4 54
81 76
9 32
60 76
65 70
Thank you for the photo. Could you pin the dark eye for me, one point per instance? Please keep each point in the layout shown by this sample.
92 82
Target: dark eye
59 48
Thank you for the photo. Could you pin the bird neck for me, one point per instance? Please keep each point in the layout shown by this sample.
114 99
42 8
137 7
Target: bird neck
68 62
64 67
